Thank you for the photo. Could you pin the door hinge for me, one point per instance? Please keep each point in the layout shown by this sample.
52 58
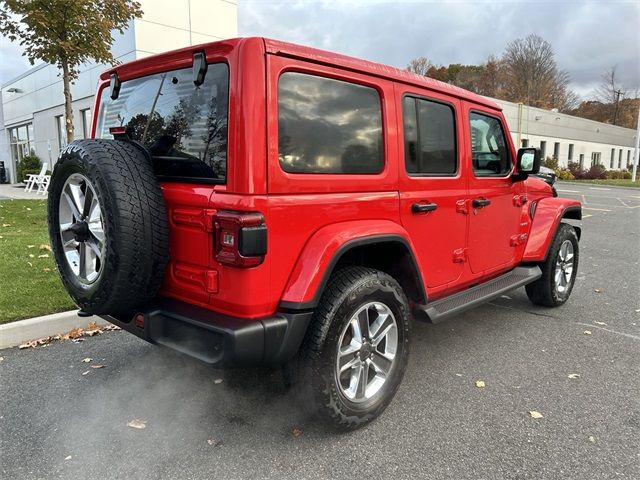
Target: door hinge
462 207
518 239
460 255
520 200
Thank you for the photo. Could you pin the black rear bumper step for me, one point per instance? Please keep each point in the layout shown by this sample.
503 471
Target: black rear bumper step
459 302
217 339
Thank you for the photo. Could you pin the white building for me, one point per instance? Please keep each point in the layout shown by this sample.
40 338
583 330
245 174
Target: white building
570 139
32 108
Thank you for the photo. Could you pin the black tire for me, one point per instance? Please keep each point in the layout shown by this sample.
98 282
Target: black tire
544 291
314 371
134 221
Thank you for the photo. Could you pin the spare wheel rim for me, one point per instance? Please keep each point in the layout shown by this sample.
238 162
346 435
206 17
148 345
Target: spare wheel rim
81 228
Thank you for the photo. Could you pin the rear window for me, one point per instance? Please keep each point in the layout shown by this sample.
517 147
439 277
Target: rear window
184 126
328 126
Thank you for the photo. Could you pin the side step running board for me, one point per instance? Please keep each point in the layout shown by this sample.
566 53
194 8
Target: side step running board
446 307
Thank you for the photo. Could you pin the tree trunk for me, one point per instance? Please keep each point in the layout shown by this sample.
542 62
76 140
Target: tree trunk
68 111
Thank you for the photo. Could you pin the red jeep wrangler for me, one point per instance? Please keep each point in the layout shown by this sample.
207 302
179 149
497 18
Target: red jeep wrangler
256 202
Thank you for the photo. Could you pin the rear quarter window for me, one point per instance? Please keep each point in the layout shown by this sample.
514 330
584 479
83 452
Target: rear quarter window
328 126
183 126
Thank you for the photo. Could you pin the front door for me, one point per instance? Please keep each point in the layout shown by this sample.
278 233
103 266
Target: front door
494 197
432 183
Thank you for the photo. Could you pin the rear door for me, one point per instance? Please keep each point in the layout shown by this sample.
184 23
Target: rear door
494 197
433 184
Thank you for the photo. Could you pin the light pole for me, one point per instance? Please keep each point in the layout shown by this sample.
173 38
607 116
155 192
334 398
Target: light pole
637 150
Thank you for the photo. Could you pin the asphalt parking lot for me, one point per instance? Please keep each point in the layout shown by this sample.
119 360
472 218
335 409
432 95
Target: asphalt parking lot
56 422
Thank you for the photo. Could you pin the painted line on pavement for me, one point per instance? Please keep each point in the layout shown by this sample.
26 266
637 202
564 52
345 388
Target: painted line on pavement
599 188
568 191
628 335
597 209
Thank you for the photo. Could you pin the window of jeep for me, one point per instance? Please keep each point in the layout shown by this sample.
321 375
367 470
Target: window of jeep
489 148
328 126
183 126
429 137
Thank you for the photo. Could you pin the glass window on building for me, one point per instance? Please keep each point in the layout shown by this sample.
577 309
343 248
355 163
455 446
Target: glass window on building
629 160
570 152
20 142
85 116
582 161
525 142
62 134
613 158
556 151
620 159
595 158
543 150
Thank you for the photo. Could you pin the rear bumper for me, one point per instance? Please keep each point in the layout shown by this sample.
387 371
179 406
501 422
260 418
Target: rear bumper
217 339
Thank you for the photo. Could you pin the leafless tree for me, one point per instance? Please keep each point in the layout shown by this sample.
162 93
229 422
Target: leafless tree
420 66
610 92
532 75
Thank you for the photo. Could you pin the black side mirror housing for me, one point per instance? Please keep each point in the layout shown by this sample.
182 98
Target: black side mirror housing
528 163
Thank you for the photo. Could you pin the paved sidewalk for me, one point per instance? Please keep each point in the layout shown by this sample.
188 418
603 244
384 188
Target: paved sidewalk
16 191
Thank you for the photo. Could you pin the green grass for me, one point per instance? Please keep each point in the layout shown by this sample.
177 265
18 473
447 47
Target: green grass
617 183
29 282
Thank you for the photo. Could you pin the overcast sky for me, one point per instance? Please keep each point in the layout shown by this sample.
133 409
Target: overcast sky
587 36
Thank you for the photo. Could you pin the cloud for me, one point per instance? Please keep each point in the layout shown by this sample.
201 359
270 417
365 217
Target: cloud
588 37
12 63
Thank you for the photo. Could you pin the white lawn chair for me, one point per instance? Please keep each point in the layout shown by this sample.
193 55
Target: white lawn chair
43 186
33 179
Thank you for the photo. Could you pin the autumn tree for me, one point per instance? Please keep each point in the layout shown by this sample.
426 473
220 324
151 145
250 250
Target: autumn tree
526 72
66 33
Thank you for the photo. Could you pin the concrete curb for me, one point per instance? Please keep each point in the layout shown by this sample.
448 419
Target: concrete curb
15 333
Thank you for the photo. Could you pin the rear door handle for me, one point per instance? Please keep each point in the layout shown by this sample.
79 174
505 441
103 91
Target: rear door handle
480 202
423 207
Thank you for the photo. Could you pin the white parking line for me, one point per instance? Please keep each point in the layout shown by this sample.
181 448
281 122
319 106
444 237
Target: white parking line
568 191
599 188
628 335
597 209
586 216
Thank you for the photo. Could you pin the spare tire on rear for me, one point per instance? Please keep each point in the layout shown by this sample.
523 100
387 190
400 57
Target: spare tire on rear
108 226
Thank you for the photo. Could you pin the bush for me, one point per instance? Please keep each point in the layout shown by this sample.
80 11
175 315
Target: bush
551 162
576 171
564 174
29 164
619 175
596 172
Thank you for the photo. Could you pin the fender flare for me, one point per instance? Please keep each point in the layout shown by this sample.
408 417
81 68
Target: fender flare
547 216
327 246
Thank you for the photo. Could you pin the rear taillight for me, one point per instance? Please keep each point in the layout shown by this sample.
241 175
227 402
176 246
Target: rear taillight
241 238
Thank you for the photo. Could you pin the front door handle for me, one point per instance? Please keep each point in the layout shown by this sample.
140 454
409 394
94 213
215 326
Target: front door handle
423 207
480 202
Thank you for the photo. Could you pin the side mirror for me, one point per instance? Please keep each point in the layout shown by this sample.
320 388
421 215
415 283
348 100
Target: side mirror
528 163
